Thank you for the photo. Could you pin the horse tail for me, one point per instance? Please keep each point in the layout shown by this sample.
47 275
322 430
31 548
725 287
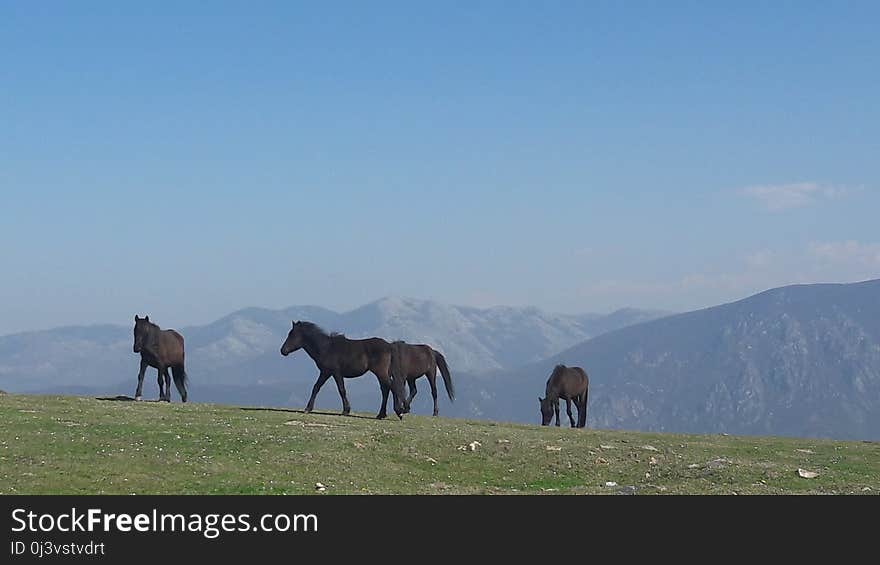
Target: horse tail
180 380
444 370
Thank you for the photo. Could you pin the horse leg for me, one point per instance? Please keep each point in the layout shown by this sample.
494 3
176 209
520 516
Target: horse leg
395 386
582 405
165 394
140 387
412 389
340 385
322 378
161 381
568 409
383 411
168 386
432 378
556 411
163 374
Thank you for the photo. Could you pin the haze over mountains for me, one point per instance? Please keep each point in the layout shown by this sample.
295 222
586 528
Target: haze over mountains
241 349
800 360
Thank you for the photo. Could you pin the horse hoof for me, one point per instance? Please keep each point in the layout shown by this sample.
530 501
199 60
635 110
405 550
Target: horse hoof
138 398
381 416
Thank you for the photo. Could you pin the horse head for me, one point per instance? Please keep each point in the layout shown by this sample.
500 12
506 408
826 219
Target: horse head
401 401
141 329
546 410
294 339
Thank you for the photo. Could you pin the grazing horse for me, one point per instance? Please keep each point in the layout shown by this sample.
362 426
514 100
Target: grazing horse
413 361
341 358
162 350
568 383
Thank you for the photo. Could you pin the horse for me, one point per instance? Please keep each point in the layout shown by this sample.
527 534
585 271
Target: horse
160 349
410 362
568 383
342 358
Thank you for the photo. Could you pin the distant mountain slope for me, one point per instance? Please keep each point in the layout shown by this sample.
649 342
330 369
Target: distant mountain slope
800 360
241 349
79 355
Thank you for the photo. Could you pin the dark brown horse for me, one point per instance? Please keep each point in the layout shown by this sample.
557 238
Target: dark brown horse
341 358
568 383
413 361
162 350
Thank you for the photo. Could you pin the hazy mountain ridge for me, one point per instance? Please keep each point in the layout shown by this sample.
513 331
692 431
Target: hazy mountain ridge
242 348
799 360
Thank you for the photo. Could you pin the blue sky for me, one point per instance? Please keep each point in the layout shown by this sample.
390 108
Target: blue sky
184 159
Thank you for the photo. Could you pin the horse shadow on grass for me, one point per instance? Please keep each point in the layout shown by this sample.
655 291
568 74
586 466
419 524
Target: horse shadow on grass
295 411
123 398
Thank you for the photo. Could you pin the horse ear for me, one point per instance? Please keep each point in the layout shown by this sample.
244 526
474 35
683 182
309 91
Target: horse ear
136 319
293 324
146 318
540 399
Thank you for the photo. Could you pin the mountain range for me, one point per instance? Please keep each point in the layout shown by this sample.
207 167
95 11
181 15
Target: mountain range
797 361
236 358
801 360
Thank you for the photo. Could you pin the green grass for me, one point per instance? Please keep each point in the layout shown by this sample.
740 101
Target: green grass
71 445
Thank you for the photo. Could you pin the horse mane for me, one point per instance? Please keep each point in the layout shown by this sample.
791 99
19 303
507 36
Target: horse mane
312 329
150 325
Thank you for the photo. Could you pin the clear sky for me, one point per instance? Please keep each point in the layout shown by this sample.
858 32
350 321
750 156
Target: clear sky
186 159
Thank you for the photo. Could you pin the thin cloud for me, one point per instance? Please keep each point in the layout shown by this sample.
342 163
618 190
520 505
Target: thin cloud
758 270
760 259
854 253
780 197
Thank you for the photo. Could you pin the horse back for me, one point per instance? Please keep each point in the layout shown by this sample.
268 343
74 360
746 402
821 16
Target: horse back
372 351
416 359
374 345
567 382
172 347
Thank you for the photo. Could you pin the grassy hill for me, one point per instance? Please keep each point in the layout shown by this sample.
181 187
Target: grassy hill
75 445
